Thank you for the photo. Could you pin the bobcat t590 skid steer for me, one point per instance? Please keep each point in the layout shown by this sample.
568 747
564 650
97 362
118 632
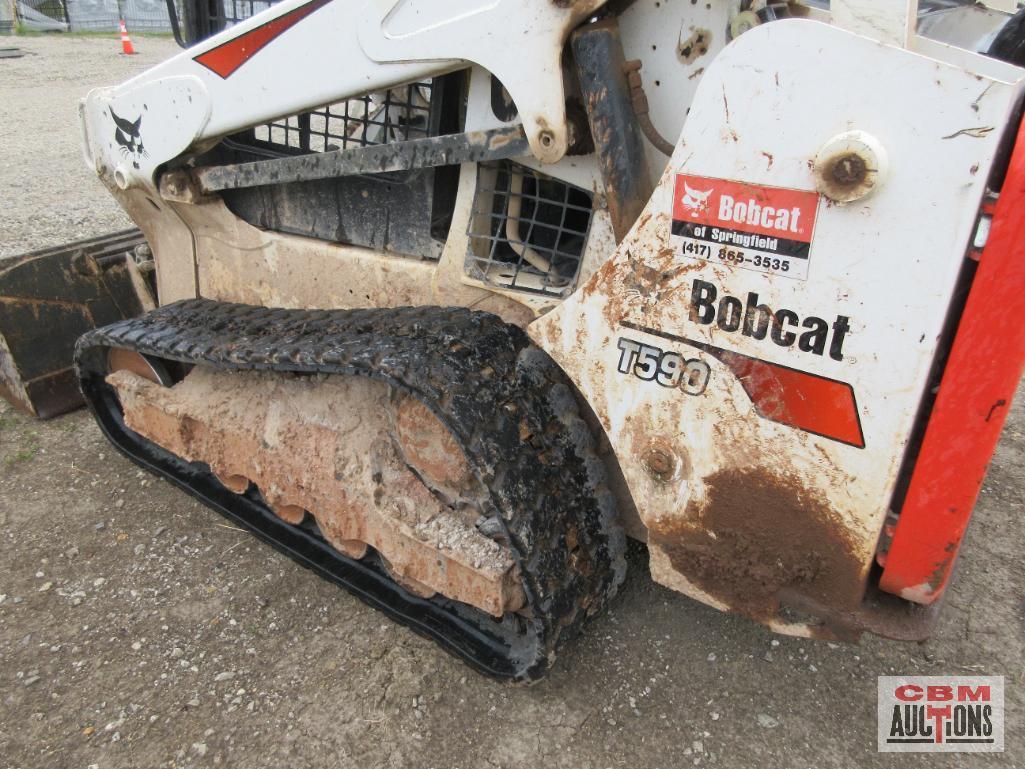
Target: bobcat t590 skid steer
740 279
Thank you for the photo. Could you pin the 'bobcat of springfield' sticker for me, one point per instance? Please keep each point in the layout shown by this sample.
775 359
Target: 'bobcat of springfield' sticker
766 229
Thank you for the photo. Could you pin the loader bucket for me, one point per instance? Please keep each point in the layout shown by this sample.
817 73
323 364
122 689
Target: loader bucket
49 298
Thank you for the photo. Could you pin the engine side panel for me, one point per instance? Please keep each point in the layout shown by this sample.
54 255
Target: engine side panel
757 351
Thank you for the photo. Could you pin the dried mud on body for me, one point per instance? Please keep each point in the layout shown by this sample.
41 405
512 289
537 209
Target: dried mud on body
761 534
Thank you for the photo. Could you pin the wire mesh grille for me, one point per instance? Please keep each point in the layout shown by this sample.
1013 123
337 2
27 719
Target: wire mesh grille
527 231
235 11
382 117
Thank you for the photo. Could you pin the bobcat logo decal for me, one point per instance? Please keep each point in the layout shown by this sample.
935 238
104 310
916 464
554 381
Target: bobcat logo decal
695 201
127 134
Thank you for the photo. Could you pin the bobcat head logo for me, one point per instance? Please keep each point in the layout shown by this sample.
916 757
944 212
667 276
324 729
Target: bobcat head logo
128 136
695 201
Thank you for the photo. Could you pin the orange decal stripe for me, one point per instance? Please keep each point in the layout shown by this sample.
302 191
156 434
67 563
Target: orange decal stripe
226 58
812 403
809 402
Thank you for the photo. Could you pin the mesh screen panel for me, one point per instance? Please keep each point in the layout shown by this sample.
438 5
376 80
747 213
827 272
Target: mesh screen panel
527 230
382 117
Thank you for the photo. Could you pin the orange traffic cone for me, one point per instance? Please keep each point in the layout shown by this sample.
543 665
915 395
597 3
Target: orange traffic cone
126 42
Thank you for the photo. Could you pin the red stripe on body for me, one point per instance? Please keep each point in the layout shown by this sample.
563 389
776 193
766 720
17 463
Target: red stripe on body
809 402
226 58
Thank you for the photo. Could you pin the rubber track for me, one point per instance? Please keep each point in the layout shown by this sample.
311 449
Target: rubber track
506 402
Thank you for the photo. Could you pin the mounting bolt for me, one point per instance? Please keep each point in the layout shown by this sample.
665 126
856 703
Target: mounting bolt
176 186
850 166
659 463
546 138
849 170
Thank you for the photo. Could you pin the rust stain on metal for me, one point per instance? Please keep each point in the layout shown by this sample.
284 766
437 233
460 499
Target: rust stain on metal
496 142
848 169
757 534
660 461
845 176
694 46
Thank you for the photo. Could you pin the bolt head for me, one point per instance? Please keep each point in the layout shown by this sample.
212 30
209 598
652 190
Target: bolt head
850 166
660 464
849 170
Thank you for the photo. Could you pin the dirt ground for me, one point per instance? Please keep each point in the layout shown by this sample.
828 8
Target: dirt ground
139 629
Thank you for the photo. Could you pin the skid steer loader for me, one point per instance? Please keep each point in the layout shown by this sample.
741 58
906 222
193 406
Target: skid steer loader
453 297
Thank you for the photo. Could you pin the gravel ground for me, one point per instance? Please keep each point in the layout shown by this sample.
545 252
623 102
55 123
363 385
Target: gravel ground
50 196
138 629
